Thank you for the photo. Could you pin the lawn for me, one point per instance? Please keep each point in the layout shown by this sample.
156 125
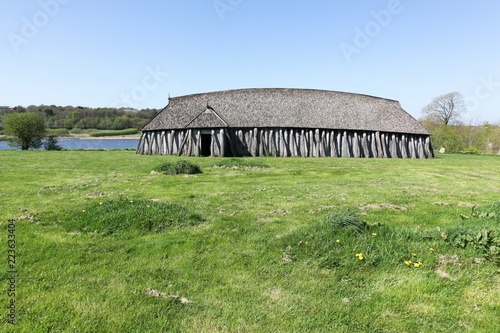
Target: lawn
105 244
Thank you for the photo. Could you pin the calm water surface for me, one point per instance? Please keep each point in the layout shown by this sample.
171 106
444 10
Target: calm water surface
74 143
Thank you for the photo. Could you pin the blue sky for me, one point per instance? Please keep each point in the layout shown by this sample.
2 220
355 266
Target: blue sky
135 53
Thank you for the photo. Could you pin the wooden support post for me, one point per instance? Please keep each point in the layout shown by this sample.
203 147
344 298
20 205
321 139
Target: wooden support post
261 142
305 138
404 146
428 147
421 149
355 145
393 147
345 145
365 152
333 144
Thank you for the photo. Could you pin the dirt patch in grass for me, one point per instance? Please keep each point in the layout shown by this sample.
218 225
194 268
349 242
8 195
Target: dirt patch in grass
387 206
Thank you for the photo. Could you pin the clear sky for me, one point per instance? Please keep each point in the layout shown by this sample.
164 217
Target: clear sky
131 53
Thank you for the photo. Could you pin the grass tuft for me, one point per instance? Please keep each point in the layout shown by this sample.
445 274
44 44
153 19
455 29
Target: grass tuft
349 219
178 168
123 215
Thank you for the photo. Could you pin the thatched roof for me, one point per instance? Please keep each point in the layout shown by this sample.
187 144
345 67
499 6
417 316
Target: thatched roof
286 108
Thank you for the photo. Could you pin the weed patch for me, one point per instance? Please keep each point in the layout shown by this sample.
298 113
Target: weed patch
177 168
480 231
124 215
342 240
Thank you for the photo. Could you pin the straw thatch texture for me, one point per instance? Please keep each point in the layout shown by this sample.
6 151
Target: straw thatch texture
285 122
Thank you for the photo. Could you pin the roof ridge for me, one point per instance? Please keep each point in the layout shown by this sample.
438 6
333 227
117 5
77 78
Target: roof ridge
220 92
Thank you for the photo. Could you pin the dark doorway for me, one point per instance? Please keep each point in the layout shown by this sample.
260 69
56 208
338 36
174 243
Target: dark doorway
229 149
206 145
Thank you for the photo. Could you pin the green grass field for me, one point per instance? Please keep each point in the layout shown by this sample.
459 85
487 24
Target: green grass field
103 244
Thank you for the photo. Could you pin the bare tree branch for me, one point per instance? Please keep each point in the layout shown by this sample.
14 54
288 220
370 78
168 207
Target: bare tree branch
446 108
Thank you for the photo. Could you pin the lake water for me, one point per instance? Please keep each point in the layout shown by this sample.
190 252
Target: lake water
74 143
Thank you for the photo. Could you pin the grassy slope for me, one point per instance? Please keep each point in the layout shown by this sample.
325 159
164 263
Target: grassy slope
232 266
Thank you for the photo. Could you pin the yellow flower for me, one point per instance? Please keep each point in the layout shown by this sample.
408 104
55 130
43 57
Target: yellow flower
148 206
100 203
360 256
431 249
413 254
337 241
131 201
407 262
417 264
374 234
83 210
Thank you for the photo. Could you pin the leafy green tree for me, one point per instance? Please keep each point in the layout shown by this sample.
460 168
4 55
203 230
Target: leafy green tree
24 130
447 136
474 138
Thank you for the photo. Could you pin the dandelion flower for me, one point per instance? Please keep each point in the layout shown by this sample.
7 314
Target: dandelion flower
360 256
431 249
148 206
374 234
337 241
83 210
417 264
100 203
407 262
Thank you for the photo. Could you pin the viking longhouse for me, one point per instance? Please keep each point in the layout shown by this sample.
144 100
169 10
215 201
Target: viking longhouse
285 123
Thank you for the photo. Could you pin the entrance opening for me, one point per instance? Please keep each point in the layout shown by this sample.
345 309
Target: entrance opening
206 144
228 151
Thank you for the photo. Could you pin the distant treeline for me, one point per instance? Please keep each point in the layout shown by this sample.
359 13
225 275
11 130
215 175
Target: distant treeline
71 117
483 138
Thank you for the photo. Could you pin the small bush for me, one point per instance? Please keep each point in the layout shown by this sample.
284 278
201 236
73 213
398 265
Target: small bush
76 131
177 168
473 150
51 143
124 215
